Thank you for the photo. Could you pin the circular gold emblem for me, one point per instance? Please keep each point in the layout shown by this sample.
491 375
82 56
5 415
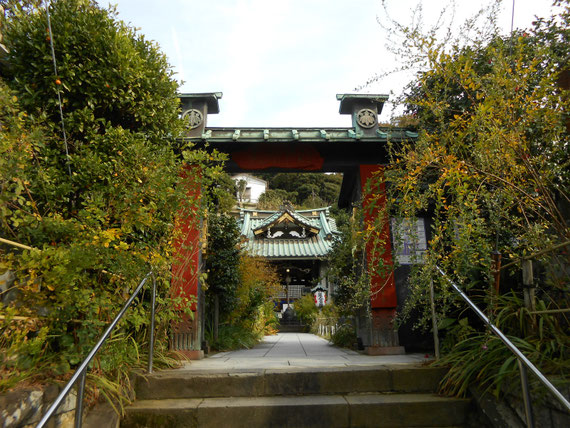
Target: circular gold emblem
366 118
194 116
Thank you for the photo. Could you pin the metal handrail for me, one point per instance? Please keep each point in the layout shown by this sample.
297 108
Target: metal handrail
81 372
523 362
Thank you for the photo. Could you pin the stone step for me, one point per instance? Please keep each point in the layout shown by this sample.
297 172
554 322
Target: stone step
314 381
314 411
292 328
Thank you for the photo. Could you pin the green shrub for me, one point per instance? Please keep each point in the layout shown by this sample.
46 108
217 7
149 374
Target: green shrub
330 311
231 337
306 309
98 209
222 264
344 336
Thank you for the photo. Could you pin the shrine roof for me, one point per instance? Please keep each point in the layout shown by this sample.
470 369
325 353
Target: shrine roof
320 229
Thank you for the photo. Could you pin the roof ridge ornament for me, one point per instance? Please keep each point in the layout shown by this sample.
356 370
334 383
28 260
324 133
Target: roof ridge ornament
286 206
364 109
366 118
195 108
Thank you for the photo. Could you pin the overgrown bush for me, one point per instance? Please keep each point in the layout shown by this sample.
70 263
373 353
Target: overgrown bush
347 272
250 313
222 264
97 206
490 171
345 335
259 286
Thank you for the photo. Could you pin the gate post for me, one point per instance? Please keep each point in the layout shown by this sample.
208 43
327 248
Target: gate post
364 110
383 300
186 336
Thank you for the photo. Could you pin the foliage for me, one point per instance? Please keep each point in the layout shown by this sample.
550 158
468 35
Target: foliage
241 186
98 206
490 168
345 335
273 199
304 190
232 337
222 263
220 192
106 73
259 284
253 313
481 357
306 310
491 160
326 320
244 285
330 310
351 282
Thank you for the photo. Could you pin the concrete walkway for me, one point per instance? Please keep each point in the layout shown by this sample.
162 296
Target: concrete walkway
294 351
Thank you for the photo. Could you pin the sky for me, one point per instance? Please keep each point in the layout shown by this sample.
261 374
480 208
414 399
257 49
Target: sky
281 63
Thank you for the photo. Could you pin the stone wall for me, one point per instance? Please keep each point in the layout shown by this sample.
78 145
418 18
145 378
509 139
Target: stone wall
25 407
508 412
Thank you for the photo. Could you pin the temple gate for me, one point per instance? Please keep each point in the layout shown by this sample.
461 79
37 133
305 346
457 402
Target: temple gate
357 152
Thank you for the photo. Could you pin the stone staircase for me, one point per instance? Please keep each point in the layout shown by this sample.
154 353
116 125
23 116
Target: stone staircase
289 323
360 396
294 326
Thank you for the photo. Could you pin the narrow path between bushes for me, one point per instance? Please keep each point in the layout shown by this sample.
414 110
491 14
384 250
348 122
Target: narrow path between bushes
294 350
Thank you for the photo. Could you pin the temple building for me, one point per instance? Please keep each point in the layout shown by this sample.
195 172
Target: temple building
249 188
297 242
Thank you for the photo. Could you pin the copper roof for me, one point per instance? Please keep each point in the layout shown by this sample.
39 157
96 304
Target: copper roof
318 227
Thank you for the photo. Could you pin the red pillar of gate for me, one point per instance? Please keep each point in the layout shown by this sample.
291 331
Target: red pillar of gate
383 301
186 335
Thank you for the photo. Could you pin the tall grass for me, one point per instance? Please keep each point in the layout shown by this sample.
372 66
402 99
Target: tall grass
480 358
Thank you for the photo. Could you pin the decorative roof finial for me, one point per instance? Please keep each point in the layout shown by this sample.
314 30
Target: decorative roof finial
287 206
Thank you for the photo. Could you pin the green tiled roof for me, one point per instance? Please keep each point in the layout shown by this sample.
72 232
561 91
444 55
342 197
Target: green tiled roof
314 245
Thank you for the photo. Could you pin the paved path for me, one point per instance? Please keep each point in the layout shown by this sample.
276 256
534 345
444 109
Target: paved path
294 350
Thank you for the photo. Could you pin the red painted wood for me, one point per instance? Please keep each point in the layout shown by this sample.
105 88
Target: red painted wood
185 267
279 155
383 288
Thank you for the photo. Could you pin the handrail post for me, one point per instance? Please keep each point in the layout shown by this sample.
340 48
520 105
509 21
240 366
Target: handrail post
529 290
79 399
526 395
152 316
434 320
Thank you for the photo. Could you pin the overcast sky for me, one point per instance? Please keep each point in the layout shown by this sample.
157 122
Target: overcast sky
281 63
